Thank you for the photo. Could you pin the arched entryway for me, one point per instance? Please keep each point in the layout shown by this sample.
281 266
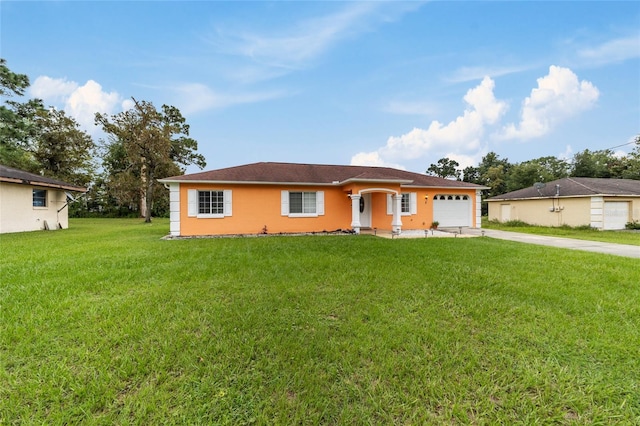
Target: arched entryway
362 206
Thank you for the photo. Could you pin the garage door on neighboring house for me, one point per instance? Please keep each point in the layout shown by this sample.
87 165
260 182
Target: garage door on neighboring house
452 210
616 214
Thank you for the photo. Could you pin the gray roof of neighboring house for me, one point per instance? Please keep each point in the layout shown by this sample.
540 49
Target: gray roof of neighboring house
11 175
317 174
576 187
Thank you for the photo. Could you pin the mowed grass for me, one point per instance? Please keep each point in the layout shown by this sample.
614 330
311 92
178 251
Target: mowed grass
105 323
628 237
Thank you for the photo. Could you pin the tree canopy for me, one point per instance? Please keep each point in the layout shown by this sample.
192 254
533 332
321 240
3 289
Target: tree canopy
145 145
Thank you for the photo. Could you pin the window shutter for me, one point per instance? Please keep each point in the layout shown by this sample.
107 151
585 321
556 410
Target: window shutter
284 200
389 204
413 202
320 203
192 202
227 202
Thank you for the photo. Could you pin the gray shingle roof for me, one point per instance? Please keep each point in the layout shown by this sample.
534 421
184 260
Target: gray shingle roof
9 174
576 186
317 174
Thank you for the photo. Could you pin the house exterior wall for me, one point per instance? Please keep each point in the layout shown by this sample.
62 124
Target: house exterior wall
256 206
17 213
578 211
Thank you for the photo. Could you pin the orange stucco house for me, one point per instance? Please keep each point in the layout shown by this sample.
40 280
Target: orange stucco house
293 198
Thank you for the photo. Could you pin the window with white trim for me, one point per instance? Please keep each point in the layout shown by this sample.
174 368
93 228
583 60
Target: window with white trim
39 198
210 202
408 203
405 204
213 203
302 203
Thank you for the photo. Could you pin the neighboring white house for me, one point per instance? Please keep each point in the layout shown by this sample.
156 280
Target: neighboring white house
606 204
30 202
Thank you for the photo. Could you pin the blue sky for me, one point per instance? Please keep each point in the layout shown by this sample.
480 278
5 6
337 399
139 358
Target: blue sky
399 84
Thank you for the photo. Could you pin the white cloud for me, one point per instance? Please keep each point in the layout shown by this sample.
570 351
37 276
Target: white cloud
567 154
52 89
559 95
464 160
86 100
372 159
459 136
617 50
79 102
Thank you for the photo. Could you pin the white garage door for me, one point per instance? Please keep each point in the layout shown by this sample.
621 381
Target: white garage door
616 214
452 210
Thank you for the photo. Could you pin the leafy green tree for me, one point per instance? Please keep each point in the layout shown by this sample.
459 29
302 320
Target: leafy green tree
445 168
62 150
492 172
595 164
543 169
18 125
145 145
632 163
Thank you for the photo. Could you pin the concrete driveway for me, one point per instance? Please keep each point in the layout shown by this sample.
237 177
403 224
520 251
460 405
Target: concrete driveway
568 243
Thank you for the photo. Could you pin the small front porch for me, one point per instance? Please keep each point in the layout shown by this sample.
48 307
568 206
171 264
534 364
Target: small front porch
376 209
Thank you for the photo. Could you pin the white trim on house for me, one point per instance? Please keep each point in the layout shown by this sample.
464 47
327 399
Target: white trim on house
174 209
597 212
478 208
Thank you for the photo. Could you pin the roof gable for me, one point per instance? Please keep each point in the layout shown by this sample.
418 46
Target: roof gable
316 174
574 187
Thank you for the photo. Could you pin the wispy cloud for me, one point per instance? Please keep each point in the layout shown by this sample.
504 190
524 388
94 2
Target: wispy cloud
612 51
464 74
297 46
196 97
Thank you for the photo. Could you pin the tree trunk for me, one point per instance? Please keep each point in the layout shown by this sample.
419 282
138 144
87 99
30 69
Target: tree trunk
149 194
148 201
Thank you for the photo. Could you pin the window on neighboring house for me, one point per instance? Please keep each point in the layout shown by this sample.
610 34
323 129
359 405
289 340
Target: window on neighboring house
302 202
39 198
210 202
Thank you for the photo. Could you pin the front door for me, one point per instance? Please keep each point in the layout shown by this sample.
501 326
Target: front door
365 211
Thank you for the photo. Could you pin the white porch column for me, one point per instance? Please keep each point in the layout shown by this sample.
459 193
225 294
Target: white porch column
355 212
396 223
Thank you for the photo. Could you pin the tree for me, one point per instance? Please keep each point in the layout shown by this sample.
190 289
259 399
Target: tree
146 145
62 150
543 169
38 140
492 172
632 163
596 164
18 125
446 168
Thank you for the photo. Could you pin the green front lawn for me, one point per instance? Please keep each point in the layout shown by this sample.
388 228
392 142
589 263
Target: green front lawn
619 237
106 323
